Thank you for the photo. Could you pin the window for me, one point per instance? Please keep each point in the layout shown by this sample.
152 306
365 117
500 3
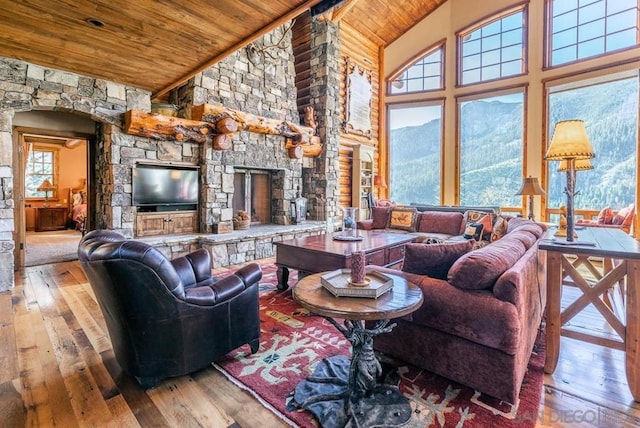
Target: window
415 153
494 50
424 75
41 166
609 110
581 29
491 150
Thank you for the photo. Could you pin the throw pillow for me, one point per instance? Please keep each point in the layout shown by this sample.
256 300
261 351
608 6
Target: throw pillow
487 219
605 216
403 219
622 215
473 231
433 260
380 217
499 228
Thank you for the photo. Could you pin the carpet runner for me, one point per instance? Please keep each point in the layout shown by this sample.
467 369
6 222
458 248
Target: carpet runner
293 342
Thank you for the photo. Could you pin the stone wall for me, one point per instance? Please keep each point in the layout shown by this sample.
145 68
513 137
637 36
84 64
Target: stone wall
258 80
26 87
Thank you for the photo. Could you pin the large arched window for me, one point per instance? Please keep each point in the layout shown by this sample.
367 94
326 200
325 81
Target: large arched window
586 28
426 74
494 49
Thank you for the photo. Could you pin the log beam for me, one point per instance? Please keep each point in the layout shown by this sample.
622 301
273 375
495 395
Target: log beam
159 127
219 123
251 122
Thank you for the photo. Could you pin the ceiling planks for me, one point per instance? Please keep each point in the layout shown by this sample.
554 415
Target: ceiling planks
158 44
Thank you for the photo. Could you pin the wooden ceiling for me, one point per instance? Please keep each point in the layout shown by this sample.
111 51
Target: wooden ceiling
158 44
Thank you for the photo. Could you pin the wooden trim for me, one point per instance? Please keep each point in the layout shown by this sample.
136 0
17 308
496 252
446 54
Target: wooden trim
383 157
340 11
595 69
241 44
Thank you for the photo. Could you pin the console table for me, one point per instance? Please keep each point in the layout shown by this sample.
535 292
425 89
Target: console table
51 218
621 258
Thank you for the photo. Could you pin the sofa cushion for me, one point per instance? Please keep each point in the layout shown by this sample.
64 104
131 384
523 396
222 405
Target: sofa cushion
433 260
403 218
440 222
380 216
499 228
532 227
527 238
481 268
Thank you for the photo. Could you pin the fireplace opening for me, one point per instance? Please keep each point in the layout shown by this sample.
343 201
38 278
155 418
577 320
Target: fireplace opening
252 193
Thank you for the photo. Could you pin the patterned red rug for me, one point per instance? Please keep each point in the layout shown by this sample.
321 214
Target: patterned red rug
293 342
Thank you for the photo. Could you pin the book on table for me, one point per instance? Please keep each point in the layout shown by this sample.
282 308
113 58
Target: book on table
338 283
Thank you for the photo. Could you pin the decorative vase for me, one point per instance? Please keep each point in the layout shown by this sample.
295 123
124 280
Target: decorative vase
358 273
349 221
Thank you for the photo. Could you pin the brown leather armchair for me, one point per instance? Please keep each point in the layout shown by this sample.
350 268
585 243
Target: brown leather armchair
168 317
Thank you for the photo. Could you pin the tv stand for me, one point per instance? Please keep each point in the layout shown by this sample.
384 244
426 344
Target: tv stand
160 222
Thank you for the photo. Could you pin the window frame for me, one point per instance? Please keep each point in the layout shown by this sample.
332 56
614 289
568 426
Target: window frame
441 44
548 40
494 17
55 174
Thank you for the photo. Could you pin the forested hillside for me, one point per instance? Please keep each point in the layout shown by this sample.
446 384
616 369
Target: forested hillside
491 141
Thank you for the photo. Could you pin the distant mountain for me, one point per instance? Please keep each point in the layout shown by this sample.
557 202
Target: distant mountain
491 143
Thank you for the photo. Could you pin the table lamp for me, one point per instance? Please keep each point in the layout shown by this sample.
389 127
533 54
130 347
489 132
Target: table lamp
570 143
530 187
46 187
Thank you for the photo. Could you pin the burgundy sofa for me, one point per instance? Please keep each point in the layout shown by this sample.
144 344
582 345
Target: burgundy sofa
481 313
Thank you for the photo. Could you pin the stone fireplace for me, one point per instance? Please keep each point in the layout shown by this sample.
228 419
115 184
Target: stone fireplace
252 193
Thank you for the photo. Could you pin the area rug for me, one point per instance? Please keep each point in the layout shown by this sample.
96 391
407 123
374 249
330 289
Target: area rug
51 247
293 342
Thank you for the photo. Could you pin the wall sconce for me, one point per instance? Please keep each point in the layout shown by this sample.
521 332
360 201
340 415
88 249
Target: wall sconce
530 187
570 143
46 187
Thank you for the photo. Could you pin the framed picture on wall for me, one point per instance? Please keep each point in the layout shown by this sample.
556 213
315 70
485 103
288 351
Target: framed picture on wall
357 109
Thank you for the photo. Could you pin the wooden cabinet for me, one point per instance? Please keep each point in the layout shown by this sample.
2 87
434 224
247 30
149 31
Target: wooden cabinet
166 223
51 218
362 180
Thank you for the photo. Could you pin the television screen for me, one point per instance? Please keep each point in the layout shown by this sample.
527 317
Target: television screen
156 185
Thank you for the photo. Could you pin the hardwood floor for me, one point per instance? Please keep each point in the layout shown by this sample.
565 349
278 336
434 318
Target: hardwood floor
57 361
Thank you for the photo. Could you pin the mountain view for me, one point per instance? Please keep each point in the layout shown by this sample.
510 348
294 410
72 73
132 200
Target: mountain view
491 143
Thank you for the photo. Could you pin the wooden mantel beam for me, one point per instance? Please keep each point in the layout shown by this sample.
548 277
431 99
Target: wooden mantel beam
218 122
246 121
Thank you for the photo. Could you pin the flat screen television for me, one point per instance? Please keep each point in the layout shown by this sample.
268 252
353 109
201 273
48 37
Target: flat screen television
164 186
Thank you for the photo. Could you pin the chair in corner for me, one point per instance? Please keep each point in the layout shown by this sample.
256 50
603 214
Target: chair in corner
168 317
622 219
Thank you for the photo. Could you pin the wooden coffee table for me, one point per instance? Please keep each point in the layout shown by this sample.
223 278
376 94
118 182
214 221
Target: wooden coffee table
343 391
322 253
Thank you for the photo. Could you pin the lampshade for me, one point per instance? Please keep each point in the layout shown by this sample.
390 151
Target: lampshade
579 164
46 186
379 181
530 186
570 140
